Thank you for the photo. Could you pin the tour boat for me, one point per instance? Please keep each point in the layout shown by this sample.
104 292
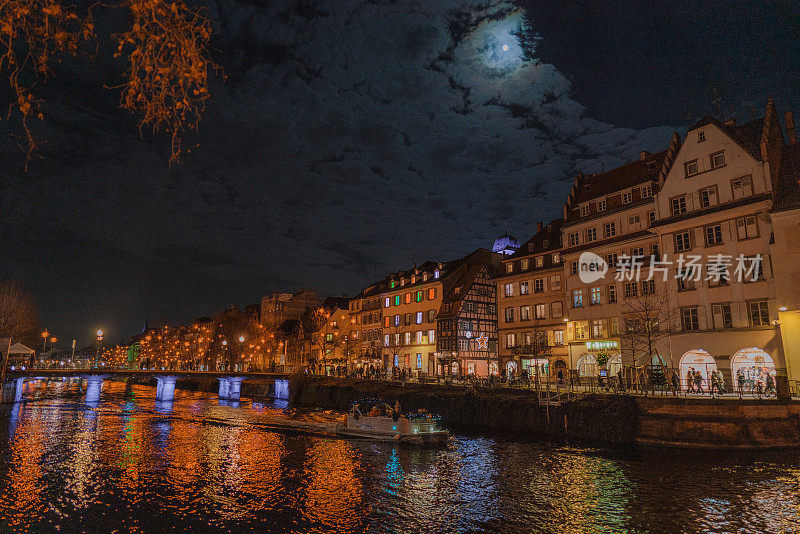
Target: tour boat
374 419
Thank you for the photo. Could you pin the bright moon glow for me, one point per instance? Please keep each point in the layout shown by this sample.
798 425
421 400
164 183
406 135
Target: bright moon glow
505 48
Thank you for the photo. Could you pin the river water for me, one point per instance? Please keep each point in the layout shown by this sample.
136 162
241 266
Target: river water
131 464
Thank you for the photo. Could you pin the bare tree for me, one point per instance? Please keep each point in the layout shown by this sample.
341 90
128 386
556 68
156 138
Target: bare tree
19 319
647 319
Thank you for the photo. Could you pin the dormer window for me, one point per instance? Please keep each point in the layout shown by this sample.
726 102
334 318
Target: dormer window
627 197
524 264
509 268
601 205
691 168
701 136
584 210
530 247
436 273
539 262
413 279
647 191
556 257
545 244
424 277
402 282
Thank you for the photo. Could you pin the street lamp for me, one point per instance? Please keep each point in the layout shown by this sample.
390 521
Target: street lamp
99 339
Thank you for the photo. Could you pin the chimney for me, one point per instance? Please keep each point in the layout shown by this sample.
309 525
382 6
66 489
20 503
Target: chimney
539 226
790 133
644 154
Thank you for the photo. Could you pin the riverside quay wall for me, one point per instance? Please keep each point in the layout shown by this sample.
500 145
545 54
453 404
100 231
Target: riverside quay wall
610 420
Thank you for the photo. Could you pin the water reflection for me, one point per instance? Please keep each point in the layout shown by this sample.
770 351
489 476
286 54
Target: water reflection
134 464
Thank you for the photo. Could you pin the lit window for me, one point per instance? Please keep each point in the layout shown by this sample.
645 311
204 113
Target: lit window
539 262
577 298
596 296
523 288
524 264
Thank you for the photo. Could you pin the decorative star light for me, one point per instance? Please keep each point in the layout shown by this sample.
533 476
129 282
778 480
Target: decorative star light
483 341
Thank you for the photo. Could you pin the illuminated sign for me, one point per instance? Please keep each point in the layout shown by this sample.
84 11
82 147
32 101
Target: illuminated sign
600 345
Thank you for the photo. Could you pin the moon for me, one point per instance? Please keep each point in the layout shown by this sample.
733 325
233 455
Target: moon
505 48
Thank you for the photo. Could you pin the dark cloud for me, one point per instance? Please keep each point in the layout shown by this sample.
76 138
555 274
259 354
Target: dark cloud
350 139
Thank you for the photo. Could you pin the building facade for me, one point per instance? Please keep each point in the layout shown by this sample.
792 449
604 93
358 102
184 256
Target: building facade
531 306
610 215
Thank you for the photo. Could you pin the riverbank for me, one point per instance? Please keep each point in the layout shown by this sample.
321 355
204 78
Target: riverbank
610 420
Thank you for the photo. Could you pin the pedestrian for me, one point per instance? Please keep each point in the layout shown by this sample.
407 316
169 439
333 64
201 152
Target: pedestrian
690 380
714 382
698 382
770 384
676 382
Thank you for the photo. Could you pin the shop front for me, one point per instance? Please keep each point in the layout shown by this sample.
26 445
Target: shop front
596 357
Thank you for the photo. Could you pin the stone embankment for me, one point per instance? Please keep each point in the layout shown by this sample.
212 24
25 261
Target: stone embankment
611 420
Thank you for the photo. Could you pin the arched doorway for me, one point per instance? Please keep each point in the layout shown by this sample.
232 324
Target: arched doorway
699 360
614 365
454 368
754 364
587 365
511 368
493 368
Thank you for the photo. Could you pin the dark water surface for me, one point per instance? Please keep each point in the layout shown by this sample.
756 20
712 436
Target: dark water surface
134 465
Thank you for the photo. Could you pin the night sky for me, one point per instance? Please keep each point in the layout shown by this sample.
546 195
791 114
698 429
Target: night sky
353 138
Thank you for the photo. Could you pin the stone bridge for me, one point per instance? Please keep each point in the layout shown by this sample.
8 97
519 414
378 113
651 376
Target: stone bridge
229 382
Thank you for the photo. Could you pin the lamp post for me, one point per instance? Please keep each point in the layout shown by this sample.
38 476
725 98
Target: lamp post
225 355
99 339
241 349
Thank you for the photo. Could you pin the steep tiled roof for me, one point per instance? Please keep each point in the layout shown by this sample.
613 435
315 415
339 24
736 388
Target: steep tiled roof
787 193
641 171
456 287
748 135
550 235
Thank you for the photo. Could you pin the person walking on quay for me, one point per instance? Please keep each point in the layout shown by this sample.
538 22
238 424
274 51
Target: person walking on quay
676 382
770 384
690 380
698 382
721 382
714 383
